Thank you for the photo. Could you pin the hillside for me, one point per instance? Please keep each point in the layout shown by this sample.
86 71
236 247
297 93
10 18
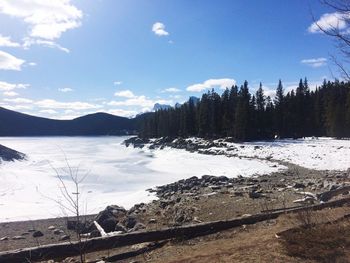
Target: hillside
13 123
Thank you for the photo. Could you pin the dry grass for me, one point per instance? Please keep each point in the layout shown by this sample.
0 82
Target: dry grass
322 242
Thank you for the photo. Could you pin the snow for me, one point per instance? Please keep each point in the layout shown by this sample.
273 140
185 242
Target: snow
115 174
312 153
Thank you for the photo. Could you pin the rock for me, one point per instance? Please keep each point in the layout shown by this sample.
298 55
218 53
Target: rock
130 222
38 234
214 187
95 233
109 218
58 231
152 221
299 185
255 195
7 154
64 237
109 224
121 228
4 238
31 230
51 228
138 226
81 227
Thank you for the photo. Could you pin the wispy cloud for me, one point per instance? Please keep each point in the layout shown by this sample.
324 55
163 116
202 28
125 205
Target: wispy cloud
19 100
315 62
212 83
77 105
159 29
6 86
10 94
10 62
171 90
7 42
117 83
65 90
28 42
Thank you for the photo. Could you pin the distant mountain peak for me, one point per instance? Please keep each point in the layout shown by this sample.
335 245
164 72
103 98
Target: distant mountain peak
159 106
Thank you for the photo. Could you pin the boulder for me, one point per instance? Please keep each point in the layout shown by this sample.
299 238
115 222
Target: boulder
64 237
109 218
38 234
130 222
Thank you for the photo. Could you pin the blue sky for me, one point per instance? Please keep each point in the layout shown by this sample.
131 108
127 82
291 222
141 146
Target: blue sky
66 58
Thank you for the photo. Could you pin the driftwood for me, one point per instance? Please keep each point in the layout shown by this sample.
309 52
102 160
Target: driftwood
326 196
63 250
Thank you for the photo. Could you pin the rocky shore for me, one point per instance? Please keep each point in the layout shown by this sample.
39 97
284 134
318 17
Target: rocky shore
189 201
7 154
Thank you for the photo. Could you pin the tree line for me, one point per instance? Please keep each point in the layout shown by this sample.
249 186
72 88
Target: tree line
237 113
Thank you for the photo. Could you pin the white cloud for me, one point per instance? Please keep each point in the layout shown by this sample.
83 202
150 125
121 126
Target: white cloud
9 62
172 90
46 19
212 83
329 21
28 42
10 94
7 42
19 100
139 101
315 62
48 111
65 90
5 86
159 29
53 104
117 83
121 112
32 64
270 88
17 107
124 94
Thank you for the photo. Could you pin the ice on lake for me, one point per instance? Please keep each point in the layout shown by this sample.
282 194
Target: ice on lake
115 174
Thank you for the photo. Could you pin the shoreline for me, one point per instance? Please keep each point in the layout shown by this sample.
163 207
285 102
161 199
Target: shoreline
191 201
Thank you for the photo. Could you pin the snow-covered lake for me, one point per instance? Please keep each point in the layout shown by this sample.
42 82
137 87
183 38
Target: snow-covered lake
115 174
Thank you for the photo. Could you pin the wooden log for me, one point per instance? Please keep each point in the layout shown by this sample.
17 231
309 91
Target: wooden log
326 196
63 250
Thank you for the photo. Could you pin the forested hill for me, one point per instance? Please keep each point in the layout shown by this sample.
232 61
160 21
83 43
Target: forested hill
244 116
18 124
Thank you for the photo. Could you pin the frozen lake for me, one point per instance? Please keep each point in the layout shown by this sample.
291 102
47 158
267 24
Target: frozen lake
115 174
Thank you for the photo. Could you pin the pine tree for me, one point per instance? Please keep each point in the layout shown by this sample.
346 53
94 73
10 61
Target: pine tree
279 115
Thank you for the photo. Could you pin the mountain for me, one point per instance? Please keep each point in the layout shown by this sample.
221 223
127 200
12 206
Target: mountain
158 106
13 123
194 99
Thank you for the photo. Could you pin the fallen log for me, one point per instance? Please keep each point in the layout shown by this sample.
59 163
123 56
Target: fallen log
63 250
326 196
